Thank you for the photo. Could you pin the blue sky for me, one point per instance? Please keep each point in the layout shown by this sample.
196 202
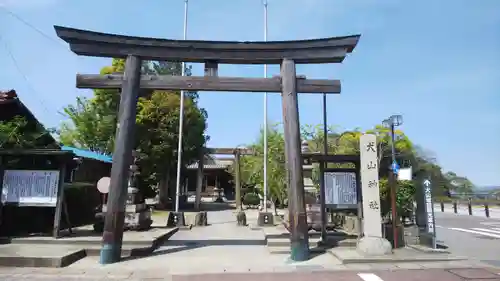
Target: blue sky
435 62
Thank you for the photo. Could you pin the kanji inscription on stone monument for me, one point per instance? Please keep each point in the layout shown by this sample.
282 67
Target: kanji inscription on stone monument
372 222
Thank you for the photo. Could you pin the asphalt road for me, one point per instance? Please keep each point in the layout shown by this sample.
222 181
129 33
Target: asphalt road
471 236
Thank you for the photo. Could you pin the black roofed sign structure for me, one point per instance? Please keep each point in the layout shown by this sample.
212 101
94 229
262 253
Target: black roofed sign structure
212 53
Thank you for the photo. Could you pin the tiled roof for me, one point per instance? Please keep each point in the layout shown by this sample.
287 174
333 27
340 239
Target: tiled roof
212 163
11 106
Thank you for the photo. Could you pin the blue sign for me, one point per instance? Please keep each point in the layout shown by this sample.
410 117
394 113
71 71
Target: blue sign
395 167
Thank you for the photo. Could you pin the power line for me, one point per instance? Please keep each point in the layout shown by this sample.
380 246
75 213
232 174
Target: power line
25 77
19 18
43 34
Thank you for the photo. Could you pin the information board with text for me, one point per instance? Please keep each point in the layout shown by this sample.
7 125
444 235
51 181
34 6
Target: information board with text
341 190
30 187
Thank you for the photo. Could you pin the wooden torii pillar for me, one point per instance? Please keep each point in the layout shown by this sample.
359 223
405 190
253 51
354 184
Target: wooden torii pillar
137 49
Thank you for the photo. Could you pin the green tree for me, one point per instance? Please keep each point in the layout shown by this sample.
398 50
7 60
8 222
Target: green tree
88 127
459 184
425 164
252 167
18 133
92 124
158 126
347 143
405 195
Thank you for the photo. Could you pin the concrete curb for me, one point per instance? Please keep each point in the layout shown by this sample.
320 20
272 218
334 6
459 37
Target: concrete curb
75 252
441 249
353 257
33 261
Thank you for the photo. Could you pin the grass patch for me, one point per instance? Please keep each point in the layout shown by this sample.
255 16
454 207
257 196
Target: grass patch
160 214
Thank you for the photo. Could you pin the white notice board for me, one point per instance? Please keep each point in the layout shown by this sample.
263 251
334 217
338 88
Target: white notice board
341 190
30 187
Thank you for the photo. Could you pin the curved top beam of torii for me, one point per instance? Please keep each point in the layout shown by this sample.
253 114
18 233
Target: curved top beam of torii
90 43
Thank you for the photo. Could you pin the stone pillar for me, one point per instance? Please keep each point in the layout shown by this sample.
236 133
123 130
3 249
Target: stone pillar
199 179
372 243
240 214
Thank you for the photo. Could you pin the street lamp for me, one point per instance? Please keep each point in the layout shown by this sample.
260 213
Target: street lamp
392 122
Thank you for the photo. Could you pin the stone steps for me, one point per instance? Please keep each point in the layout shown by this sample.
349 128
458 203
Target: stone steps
135 244
40 256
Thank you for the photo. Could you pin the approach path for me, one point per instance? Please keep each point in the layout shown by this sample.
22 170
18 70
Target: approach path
224 251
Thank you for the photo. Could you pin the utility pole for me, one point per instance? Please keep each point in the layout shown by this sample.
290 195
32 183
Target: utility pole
393 192
265 115
324 166
392 122
181 120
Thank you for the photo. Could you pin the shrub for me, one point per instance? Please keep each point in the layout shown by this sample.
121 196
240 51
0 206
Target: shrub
251 199
81 201
404 197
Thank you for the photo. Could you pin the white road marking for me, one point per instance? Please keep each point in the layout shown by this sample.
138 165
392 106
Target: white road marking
487 230
476 232
369 277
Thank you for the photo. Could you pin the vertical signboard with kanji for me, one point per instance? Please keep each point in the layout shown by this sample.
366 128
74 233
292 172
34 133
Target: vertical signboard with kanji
429 209
372 220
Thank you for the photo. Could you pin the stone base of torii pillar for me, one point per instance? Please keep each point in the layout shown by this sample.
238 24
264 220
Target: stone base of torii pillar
374 246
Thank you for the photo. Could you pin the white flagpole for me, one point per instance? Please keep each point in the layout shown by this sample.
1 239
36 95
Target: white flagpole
265 114
181 120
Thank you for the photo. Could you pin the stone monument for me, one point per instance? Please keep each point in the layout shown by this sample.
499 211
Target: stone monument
372 243
137 213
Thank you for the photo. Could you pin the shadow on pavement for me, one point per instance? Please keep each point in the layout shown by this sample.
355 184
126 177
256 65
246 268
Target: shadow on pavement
176 246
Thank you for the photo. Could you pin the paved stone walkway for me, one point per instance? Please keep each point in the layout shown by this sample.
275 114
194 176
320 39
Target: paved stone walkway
224 251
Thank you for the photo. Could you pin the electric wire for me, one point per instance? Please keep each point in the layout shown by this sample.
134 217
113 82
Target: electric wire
43 34
23 75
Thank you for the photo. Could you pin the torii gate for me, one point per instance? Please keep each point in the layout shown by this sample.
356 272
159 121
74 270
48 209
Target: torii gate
236 152
212 53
